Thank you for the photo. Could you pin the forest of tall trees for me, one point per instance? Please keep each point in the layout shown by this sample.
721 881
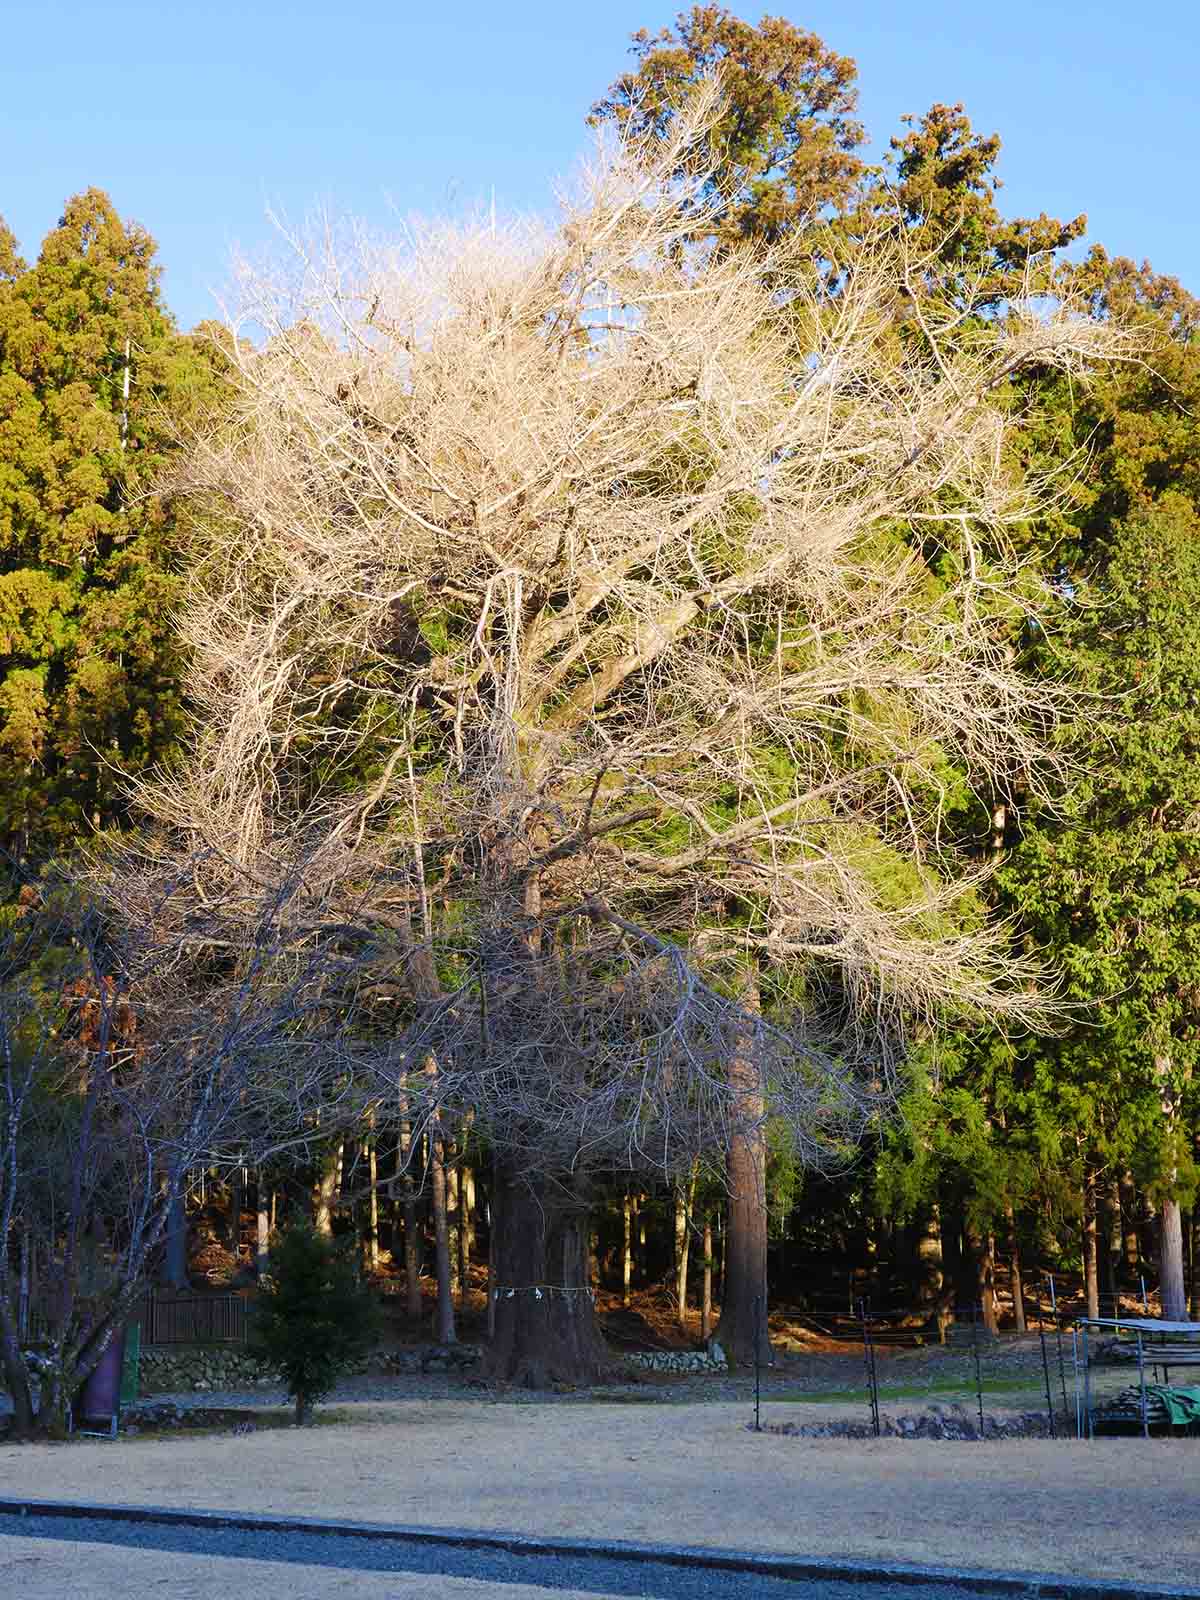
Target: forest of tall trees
651 756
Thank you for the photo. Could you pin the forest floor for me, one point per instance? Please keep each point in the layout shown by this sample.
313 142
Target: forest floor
688 1474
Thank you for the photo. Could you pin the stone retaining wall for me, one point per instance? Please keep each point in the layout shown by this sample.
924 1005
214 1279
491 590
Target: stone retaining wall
173 1369
676 1360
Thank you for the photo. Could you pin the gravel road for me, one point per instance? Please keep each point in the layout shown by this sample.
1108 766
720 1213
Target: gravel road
45 1558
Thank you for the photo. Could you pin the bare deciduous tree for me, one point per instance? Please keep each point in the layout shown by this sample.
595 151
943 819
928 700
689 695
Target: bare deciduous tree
598 612
128 1056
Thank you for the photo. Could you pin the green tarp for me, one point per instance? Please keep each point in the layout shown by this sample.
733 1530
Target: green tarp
1182 1405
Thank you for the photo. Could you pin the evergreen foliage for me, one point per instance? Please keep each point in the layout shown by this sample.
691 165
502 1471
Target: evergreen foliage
89 667
314 1315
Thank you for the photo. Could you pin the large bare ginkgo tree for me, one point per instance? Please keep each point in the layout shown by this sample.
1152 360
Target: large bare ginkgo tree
591 614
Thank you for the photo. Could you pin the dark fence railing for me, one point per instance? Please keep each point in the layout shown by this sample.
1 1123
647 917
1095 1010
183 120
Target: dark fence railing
191 1318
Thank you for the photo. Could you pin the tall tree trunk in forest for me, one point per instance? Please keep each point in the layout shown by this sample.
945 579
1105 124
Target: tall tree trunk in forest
372 1251
744 1289
1170 1263
683 1240
454 1223
1170 1233
463 1236
1091 1272
1014 1269
1193 1261
1131 1250
627 1250
492 1278
1110 1246
412 1236
441 1240
545 1317
236 1197
706 1290
325 1192
466 1237
262 1231
930 1276
983 1259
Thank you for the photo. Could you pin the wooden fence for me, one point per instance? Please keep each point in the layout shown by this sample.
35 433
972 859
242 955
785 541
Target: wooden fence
175 1318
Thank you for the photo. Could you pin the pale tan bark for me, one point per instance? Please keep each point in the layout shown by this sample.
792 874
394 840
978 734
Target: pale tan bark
706 1302
441 1236
1170 1235
627 1249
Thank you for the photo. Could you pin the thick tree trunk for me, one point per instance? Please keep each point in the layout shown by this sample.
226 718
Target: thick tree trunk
744 1289
441 1238
175 1256
1170 1263
1131 1254
545 1317
262 1226
930 1275
1170 1230
983 1257
236 1197
1014 1270
1091 1267
325 1192
492 1279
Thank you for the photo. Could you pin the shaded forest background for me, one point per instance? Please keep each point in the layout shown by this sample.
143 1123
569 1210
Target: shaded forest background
1007 1157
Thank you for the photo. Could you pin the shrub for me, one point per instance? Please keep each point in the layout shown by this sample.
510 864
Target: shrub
314 1315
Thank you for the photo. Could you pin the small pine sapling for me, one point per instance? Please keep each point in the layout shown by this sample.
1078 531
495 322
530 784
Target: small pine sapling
314 1315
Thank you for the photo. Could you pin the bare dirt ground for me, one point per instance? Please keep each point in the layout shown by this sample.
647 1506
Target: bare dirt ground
691 1474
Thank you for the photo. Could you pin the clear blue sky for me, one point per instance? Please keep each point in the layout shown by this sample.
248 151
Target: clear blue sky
196 117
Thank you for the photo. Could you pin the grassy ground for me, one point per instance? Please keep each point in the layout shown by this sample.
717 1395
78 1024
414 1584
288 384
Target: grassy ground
1127 1509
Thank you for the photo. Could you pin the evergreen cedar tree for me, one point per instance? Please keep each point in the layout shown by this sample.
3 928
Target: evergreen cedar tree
88 666
787 146
786 155
1106 885
313 1317
1105 881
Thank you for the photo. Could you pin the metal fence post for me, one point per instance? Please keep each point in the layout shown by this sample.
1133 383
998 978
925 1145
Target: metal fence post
757 1363
978 1373
1046 1374
1142 1387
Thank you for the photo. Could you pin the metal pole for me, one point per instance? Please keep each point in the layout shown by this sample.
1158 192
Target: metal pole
1062 1369
869 1364
1087 1385
1142 1385
978 1374
1046 1373
1075 1368
757 1363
